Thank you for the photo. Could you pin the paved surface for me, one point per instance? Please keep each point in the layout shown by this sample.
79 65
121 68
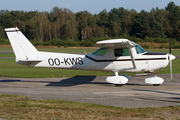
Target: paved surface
95 90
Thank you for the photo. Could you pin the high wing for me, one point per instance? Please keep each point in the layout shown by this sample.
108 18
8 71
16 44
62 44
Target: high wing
119 43
115 43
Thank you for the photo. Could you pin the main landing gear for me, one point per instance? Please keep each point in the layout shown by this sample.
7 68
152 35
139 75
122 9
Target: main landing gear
120 80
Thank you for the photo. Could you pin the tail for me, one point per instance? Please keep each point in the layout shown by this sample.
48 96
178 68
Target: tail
23 49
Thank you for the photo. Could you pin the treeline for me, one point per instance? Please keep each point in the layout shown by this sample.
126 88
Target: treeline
61 24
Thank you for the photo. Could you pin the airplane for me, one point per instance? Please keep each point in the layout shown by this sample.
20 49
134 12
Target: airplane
115 55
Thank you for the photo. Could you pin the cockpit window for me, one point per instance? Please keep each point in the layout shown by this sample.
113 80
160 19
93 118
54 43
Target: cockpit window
100 52
121 52
139 49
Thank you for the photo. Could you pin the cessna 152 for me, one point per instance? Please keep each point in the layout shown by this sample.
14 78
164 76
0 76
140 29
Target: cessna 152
116 55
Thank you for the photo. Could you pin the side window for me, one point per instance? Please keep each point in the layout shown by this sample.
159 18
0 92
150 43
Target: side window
100 52
121 52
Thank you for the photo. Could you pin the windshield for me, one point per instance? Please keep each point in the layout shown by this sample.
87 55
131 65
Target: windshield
139 49
100 52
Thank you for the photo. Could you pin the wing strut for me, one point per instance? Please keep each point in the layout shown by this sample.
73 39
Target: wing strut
131 54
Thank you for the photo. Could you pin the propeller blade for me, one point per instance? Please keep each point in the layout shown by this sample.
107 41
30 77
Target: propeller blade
170 59
170 66
170 45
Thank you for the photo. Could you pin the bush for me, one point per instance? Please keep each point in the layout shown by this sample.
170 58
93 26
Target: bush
161 40
145 46
164 46
147 39
135 39
175 44
4 42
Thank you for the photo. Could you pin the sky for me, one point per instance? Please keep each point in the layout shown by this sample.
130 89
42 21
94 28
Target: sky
92 6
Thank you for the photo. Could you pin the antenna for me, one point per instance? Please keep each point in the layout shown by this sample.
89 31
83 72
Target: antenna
84 51
108 37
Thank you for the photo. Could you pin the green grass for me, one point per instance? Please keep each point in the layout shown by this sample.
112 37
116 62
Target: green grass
175 67
19 107
6 49
6 55
69 50
174 51
11 69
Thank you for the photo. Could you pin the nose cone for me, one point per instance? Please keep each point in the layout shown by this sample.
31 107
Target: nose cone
171 57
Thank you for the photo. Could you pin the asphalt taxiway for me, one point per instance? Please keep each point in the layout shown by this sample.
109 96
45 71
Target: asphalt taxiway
93 89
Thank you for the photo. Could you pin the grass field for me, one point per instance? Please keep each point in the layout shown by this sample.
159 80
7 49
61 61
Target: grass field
19 107
10 68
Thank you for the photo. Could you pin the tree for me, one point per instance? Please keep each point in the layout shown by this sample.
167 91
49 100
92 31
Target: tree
103 18
174 19
64 23
6 19
157 19
121 20
141 27
86 22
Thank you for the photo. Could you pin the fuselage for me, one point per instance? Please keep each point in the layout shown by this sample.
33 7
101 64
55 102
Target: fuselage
108 62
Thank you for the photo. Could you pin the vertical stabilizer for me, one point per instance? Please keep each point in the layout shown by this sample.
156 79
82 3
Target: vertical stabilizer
22 48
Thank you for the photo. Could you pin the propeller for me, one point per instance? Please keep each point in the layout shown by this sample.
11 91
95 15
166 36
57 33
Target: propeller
171 57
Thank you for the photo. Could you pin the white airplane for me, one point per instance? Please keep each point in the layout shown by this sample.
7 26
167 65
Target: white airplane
116 55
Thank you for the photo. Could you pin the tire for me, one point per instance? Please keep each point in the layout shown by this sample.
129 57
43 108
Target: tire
118 85
156 84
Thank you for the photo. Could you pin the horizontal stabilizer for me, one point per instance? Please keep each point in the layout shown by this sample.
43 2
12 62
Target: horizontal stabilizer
35 60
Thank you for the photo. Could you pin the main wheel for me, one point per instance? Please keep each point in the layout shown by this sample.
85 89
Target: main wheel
156 84
119 85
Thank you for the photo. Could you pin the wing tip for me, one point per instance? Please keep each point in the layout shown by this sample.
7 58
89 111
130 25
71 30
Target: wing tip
12 29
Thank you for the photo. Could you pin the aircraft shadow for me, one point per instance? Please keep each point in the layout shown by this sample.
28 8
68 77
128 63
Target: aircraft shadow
169 99
77 80
73 81
175 98
157 91
135 84
10 80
